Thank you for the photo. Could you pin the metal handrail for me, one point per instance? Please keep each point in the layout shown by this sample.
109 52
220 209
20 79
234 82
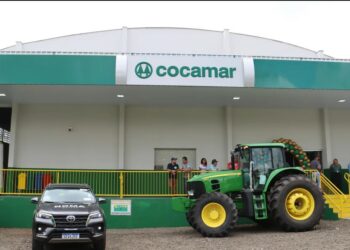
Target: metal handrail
330 191
347 178
335 192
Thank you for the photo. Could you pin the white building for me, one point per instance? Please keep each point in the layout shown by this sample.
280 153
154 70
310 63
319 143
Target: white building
132 98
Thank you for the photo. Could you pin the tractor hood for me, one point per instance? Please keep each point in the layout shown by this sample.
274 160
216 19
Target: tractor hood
215 175
220 181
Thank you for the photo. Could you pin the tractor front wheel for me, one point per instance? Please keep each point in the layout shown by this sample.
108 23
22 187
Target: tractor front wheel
188 218
296 203
214 215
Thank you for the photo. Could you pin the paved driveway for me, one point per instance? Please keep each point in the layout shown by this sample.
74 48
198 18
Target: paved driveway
328 235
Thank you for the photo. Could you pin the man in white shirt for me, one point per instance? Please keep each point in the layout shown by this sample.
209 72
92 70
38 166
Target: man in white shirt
213 166
187 168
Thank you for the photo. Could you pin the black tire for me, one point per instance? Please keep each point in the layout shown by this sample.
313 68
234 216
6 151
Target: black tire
100 245
188 219
277 203
230 211
36 245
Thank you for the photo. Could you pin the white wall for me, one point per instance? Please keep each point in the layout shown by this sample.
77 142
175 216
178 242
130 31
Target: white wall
304 126
339 122
42 139
148 128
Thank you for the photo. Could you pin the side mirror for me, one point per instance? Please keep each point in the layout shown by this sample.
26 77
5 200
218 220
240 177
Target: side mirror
35 200
101 200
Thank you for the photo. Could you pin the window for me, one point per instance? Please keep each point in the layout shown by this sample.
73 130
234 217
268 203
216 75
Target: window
262 159
243 159
277 156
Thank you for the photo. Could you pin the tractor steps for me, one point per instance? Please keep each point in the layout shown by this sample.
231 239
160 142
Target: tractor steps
260 209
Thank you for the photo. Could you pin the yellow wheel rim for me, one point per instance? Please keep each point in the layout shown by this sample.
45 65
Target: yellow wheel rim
213 214
300 204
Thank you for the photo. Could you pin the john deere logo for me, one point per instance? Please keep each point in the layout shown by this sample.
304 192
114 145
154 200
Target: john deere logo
143 70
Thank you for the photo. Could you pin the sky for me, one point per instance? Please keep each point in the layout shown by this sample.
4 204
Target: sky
313 25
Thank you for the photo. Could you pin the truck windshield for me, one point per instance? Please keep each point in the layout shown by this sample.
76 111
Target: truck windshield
68 196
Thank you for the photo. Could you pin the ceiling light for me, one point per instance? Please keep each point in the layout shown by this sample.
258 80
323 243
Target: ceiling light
120 96
2 94
342 100
236 98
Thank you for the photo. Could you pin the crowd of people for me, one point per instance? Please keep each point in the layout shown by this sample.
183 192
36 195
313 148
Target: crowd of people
173 168
334 169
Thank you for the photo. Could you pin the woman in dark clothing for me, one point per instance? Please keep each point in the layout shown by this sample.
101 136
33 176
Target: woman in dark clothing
336 176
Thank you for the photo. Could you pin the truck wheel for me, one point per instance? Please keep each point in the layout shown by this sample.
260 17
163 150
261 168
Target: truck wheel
100 245
36 245
296 203
214 215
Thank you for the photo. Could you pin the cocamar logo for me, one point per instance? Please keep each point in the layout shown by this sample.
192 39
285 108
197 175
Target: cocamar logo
144 70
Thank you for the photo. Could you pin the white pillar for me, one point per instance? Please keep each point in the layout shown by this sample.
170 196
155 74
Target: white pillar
121 136
226 41
19 45
14 117
229 139
124 39
327 150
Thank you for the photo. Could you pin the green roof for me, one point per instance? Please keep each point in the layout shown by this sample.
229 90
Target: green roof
272 144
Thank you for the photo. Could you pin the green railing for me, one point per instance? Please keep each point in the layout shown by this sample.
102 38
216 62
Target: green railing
103 182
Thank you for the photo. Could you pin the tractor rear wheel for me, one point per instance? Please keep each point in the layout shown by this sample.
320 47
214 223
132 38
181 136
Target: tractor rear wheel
214 215
296 203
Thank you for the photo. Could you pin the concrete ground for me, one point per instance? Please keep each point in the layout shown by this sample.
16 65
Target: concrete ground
328 235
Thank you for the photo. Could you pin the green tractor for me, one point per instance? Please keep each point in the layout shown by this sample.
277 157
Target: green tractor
265 189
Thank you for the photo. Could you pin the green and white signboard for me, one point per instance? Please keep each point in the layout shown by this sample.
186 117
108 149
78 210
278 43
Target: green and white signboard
120 207
187 70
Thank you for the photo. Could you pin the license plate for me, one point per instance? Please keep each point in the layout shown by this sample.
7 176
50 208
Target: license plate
70 236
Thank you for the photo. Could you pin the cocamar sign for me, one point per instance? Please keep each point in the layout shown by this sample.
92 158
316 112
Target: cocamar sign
183 70
145 70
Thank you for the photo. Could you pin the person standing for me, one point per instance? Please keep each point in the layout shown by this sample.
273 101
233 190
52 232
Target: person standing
187 168
213 166
335 170
173 167
316 175
204 165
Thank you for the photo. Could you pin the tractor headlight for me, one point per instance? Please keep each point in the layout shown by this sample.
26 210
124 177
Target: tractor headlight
190 192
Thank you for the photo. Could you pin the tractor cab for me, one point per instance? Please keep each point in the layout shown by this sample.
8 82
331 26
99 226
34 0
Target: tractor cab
257 161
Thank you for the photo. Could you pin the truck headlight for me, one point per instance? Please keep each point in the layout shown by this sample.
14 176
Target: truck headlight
190 192
44 215
95 215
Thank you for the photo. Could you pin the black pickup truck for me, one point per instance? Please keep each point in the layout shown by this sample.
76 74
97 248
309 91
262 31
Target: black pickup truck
68 213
